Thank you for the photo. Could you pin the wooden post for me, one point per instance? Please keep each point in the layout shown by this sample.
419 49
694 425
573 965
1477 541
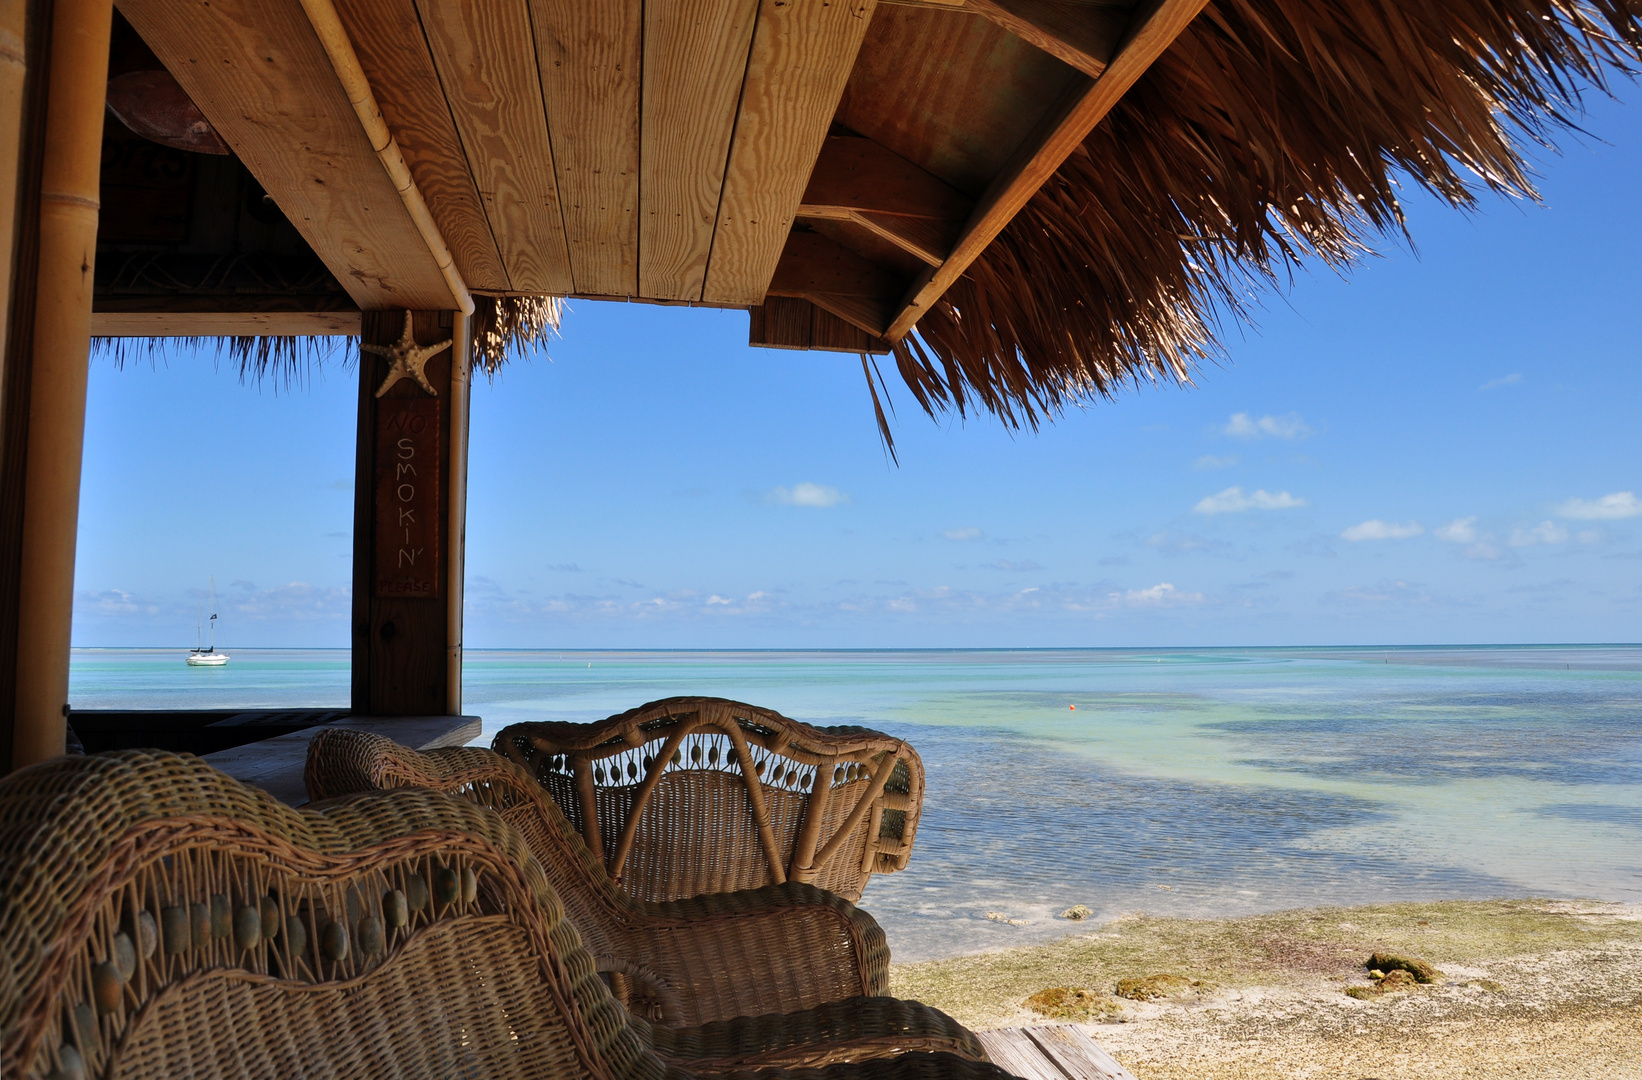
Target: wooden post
57 394
404 521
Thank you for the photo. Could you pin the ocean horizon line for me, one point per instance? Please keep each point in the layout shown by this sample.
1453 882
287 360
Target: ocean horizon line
720 650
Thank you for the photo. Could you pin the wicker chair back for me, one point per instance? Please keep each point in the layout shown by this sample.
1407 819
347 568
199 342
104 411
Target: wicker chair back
694 795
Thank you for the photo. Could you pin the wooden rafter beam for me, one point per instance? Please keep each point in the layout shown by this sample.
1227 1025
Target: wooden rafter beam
1083 106
834 278
862 181
1083 35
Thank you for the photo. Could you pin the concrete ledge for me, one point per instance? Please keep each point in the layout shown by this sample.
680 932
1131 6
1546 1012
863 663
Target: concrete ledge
275 765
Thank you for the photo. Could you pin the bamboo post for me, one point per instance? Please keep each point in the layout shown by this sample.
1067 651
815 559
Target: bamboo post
76 91
461 372
13 68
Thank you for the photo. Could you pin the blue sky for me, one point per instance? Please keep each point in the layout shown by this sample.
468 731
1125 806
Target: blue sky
1443 448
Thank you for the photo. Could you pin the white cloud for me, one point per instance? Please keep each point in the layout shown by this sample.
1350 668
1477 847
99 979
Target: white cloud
1160 595
1234 499
1211 461
968 532
806 494
1244 426
1459 531
1615 507
1504 380
1546 532
1375 529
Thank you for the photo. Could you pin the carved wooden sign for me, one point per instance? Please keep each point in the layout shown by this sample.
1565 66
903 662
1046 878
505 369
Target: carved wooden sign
407 497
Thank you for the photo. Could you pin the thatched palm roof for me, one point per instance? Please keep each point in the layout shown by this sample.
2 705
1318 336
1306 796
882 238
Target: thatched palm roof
1271 132
852 173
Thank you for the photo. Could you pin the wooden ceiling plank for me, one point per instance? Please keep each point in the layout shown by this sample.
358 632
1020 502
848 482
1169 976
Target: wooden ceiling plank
258 72
1083 35
590 58
801 58
695 59
1154 27
387 35
487 66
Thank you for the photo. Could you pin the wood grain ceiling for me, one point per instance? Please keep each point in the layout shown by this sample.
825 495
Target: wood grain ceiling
853 155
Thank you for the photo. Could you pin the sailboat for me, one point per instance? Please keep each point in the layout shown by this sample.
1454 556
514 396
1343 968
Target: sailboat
207 655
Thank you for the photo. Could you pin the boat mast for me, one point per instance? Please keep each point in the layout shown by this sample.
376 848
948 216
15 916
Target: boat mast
213 613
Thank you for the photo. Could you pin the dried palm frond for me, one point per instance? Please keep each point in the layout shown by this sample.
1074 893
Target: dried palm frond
289 361
508 326
1271 132
502 328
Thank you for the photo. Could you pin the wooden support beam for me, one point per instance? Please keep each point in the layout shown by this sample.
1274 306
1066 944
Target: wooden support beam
801 57
1084 35
70 170
146 324
402 523
258 71
1084 105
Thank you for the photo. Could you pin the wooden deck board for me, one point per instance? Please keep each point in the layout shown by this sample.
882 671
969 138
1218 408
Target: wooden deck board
695 58
589 56
387 35
482 51
1051 1052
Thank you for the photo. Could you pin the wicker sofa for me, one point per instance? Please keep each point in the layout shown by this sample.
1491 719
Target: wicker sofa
662 794
160 920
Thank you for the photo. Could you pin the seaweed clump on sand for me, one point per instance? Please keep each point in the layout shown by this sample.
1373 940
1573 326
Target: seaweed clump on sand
1152 987
1072 1003
1422 971
1393 974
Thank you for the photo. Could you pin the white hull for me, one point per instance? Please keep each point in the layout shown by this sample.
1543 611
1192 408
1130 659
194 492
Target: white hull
210 659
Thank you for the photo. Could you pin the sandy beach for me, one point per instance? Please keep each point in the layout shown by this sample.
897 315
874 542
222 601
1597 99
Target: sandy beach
1547 989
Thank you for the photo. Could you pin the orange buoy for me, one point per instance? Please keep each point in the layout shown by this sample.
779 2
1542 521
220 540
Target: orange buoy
1074 708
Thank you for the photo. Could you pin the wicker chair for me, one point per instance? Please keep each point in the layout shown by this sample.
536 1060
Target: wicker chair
160 920
832 805
781 948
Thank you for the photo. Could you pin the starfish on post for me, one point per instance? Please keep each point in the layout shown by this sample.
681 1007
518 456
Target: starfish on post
408 359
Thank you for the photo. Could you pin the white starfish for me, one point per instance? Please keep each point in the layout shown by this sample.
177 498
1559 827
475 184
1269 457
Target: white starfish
408 359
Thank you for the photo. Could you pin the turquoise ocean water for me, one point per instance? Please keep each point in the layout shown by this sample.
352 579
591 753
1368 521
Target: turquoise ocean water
1196 781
